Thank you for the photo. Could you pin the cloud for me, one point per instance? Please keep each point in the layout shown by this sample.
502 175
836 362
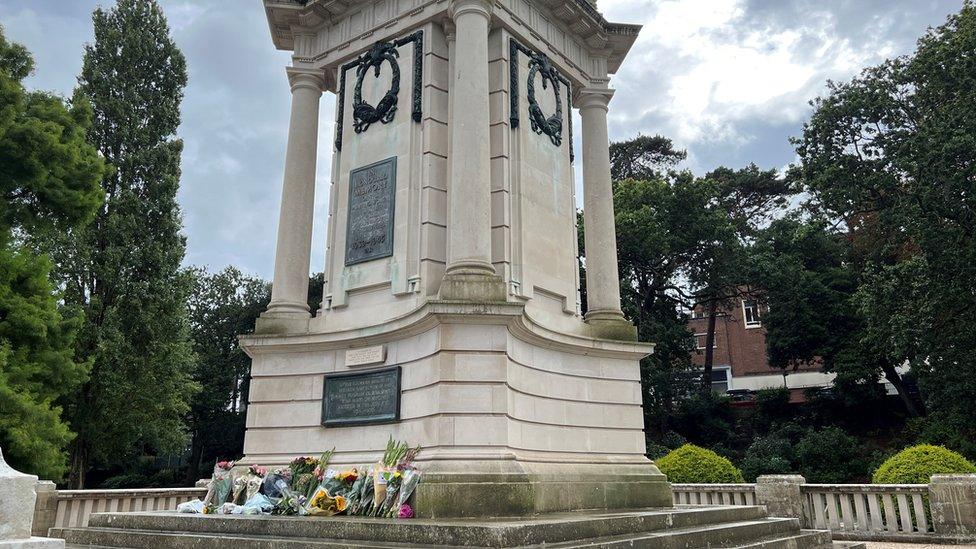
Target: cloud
727 79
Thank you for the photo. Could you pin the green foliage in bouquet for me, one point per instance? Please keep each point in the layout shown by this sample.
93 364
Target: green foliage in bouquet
693 464
303 478
917 464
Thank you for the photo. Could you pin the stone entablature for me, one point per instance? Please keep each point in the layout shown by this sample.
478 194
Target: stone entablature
578 39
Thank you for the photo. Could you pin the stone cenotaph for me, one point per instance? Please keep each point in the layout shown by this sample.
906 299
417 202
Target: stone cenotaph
451 315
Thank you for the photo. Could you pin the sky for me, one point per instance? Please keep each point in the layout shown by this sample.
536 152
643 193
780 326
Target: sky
730 81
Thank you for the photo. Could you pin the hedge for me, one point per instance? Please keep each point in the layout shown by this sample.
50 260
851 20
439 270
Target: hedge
693 464
917 464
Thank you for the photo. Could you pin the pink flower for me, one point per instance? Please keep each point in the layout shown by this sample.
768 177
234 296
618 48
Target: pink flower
225 465
406 512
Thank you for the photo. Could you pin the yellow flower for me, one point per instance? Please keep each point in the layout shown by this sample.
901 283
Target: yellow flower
397 474
340 503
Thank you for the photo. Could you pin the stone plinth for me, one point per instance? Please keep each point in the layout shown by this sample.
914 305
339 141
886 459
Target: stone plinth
513 418
781 495
953 499
17 498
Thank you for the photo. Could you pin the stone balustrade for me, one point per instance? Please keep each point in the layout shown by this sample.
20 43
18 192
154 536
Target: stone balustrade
71 508
942 511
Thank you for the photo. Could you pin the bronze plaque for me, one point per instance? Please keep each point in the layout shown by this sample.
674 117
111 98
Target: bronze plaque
355 398
369 227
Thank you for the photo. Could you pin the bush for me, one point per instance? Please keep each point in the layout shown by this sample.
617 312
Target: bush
917 464
694 464
769 455
830 456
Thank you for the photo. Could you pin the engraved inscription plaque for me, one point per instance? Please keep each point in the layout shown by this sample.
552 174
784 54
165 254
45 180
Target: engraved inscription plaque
361 397
369 229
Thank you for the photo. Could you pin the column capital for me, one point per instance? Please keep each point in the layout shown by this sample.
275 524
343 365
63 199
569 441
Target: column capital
461 7
593 98
313 79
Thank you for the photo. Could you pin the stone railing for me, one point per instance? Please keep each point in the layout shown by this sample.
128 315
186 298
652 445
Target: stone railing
944 510
70 508
714 494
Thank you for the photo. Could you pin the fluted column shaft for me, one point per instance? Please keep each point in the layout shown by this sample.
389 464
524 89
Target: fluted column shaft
469 192
599 231
289 292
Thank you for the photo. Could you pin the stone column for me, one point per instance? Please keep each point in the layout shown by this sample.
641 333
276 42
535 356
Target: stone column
470 274
953 499
17 499
599 232
781 495
45 508
289 292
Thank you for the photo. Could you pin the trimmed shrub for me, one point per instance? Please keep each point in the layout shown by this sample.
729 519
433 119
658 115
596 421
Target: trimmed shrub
917 464
830 456
769 455
693 464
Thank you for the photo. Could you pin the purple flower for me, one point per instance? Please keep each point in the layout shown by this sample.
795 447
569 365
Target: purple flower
406 511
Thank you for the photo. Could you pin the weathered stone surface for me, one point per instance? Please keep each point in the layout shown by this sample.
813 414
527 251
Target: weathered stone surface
17 499
744 526
781 495
953 500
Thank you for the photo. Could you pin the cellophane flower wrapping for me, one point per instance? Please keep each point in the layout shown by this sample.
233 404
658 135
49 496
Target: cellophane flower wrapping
381 477
221 484
276 483
411 478
390 499
365 503
239 494
324 504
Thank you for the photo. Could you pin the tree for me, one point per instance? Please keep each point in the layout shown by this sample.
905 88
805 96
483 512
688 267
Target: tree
890 157
746 199
48 180
124 268
222 306
643 158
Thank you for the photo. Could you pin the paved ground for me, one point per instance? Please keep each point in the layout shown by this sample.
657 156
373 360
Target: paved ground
886 545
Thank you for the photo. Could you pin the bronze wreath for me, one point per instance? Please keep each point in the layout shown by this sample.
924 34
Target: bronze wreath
363 113
553 125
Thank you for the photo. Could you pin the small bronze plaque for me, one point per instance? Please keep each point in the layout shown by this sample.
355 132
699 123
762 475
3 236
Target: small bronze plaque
369 228
355 398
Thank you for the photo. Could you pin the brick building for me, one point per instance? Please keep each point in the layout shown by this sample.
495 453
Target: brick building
740 364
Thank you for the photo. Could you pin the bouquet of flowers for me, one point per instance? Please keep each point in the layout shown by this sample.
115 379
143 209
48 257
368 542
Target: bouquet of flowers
324 505
411 477
275 483
303 479
255 477
220 486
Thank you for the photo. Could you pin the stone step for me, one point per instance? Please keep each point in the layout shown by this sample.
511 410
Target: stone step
803 539
672 528
714 535
722 535
507 532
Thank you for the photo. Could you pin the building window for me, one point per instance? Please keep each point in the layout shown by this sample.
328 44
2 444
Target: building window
699 313
750 313
701 339
720 380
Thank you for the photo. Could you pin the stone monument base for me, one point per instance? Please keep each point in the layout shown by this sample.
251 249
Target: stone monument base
525 489
513 418
673 528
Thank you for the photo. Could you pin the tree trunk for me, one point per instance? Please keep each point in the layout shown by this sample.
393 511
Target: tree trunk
196 452
914 409
709 348
79 465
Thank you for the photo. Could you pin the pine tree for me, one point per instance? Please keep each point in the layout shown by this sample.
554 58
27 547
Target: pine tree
124 269
49 180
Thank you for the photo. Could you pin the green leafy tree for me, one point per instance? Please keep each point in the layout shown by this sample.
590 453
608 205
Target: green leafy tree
48 181
222 306
891 157
124 268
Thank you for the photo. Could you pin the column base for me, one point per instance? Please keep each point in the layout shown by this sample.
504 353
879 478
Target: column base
610 325
472 287
284 319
